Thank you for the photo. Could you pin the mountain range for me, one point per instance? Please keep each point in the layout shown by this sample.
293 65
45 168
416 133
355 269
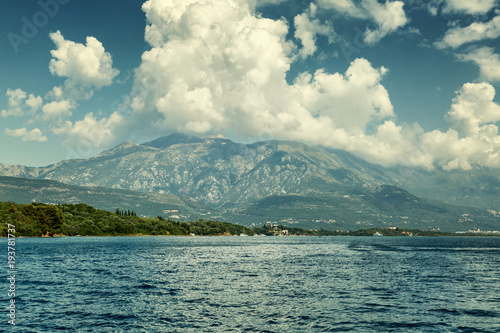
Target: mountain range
276 181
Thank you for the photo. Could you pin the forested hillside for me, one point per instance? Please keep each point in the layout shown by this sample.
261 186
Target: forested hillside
80 219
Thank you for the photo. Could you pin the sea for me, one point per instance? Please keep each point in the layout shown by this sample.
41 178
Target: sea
256 284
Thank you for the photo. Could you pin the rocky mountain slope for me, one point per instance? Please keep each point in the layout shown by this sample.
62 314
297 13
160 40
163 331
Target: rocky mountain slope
213 170
283 181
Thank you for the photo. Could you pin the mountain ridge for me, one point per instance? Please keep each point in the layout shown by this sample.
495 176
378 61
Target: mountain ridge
232 178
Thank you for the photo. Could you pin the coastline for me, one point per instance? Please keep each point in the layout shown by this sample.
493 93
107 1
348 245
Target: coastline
458 235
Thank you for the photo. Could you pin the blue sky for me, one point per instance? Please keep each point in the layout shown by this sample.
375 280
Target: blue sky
394 82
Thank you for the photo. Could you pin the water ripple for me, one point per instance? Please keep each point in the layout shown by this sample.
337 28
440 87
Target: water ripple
258 284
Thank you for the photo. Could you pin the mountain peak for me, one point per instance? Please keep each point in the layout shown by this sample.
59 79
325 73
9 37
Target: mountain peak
172 139
123 146
126 145
216 136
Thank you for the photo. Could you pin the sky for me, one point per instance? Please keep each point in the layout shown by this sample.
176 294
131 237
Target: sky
408 82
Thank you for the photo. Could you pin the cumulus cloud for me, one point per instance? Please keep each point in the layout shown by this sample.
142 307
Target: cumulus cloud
474 32
351 100
15 102
488 62
387 17
473 107
346 7
86 67
20 102
228 72
393 144
34 135
57 93
307 27
58 110
473 138
34 102
218 67
433 7
230 64
91 131
469 6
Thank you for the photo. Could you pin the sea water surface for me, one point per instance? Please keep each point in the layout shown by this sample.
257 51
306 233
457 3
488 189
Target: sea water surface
257 284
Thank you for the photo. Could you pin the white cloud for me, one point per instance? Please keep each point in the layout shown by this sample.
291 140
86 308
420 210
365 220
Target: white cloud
488 62
346 7
391 145
454 152
15 102
34 102
216 66
57 93
229 65
469 6
91 131
433 8
86 67
19 102
227 73
306 29
387 17
474 32
473 138
16 97
34 135
473 107
58 109
351 100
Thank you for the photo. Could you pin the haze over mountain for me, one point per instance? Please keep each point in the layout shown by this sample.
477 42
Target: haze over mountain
284 181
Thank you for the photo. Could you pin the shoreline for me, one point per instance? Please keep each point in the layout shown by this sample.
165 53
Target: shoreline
189 236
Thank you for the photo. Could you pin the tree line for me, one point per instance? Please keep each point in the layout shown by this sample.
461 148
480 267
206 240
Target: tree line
38 219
